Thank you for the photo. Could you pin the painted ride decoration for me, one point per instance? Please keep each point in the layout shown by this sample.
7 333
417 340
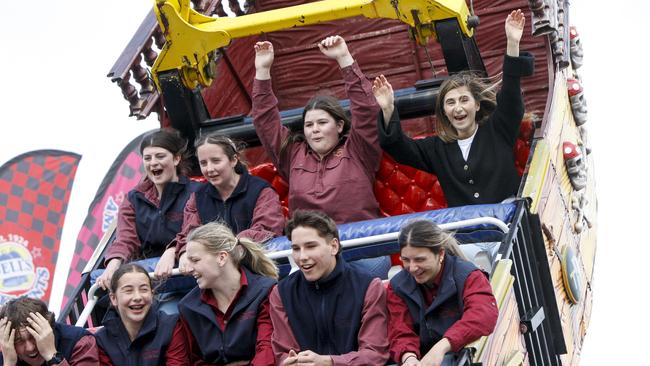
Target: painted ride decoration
199 58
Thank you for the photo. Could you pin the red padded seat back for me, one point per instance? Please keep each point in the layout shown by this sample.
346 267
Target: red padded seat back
268 172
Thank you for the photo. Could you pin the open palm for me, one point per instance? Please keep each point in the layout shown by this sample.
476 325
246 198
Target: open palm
515 25
383 92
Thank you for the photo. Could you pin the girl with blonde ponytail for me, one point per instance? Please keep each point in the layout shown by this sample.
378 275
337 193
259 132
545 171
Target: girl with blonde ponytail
225 319
439 301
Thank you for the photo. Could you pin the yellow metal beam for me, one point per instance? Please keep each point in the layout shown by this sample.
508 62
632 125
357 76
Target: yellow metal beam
191 37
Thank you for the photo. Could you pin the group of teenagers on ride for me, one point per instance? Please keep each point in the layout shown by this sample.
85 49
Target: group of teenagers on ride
329 312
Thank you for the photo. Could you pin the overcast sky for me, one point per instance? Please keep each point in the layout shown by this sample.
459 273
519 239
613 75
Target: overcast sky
55 95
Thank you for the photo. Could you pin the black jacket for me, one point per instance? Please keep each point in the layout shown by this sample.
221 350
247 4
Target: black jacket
489 175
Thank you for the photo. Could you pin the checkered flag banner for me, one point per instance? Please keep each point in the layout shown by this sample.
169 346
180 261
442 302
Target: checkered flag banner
122 176
34 192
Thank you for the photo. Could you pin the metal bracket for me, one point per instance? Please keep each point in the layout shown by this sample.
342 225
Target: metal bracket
532 319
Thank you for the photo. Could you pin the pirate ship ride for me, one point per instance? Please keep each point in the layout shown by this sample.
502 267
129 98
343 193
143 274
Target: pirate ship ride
190 62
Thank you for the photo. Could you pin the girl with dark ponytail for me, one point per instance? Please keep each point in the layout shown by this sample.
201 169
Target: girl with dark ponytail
226 317
247 204
439 302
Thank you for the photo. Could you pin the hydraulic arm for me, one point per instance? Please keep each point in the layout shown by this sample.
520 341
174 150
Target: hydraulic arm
192 38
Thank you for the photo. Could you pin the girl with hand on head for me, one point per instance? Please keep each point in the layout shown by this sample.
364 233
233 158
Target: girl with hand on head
473 152
439 302
134 332
151 215
225 319
247 204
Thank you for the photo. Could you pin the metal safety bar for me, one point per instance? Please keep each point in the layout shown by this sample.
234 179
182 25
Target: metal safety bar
345 244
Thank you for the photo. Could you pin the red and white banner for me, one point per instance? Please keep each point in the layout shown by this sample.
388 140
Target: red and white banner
122 176
34 192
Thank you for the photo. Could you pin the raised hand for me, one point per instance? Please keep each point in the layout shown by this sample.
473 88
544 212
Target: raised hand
514 29
7 336
43 335
264 55
335 48
385 97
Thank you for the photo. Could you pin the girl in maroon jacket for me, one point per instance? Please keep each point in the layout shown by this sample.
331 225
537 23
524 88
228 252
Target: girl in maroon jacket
247 204
331 165
151 215
439 302
134 331
225 319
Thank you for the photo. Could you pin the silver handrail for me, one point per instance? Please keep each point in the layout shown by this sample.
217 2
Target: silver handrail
351 243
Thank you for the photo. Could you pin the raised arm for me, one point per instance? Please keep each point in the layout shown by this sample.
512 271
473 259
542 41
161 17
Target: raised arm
510 103
383 92
405 150
266 116
363 106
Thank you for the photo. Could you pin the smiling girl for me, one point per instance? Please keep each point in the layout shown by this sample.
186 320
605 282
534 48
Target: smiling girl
439 302
152 214
473 152
225 319
134 332
247 204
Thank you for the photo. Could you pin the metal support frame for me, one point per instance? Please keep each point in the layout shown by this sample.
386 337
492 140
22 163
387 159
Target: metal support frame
525 246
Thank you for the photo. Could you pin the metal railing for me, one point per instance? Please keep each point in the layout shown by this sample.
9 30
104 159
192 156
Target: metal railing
92 298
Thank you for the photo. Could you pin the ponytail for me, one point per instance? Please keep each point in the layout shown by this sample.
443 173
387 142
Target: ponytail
253 257
422 233
217 237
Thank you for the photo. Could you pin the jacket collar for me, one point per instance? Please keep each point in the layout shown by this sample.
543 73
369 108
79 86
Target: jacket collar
241 188
116 328
331 278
